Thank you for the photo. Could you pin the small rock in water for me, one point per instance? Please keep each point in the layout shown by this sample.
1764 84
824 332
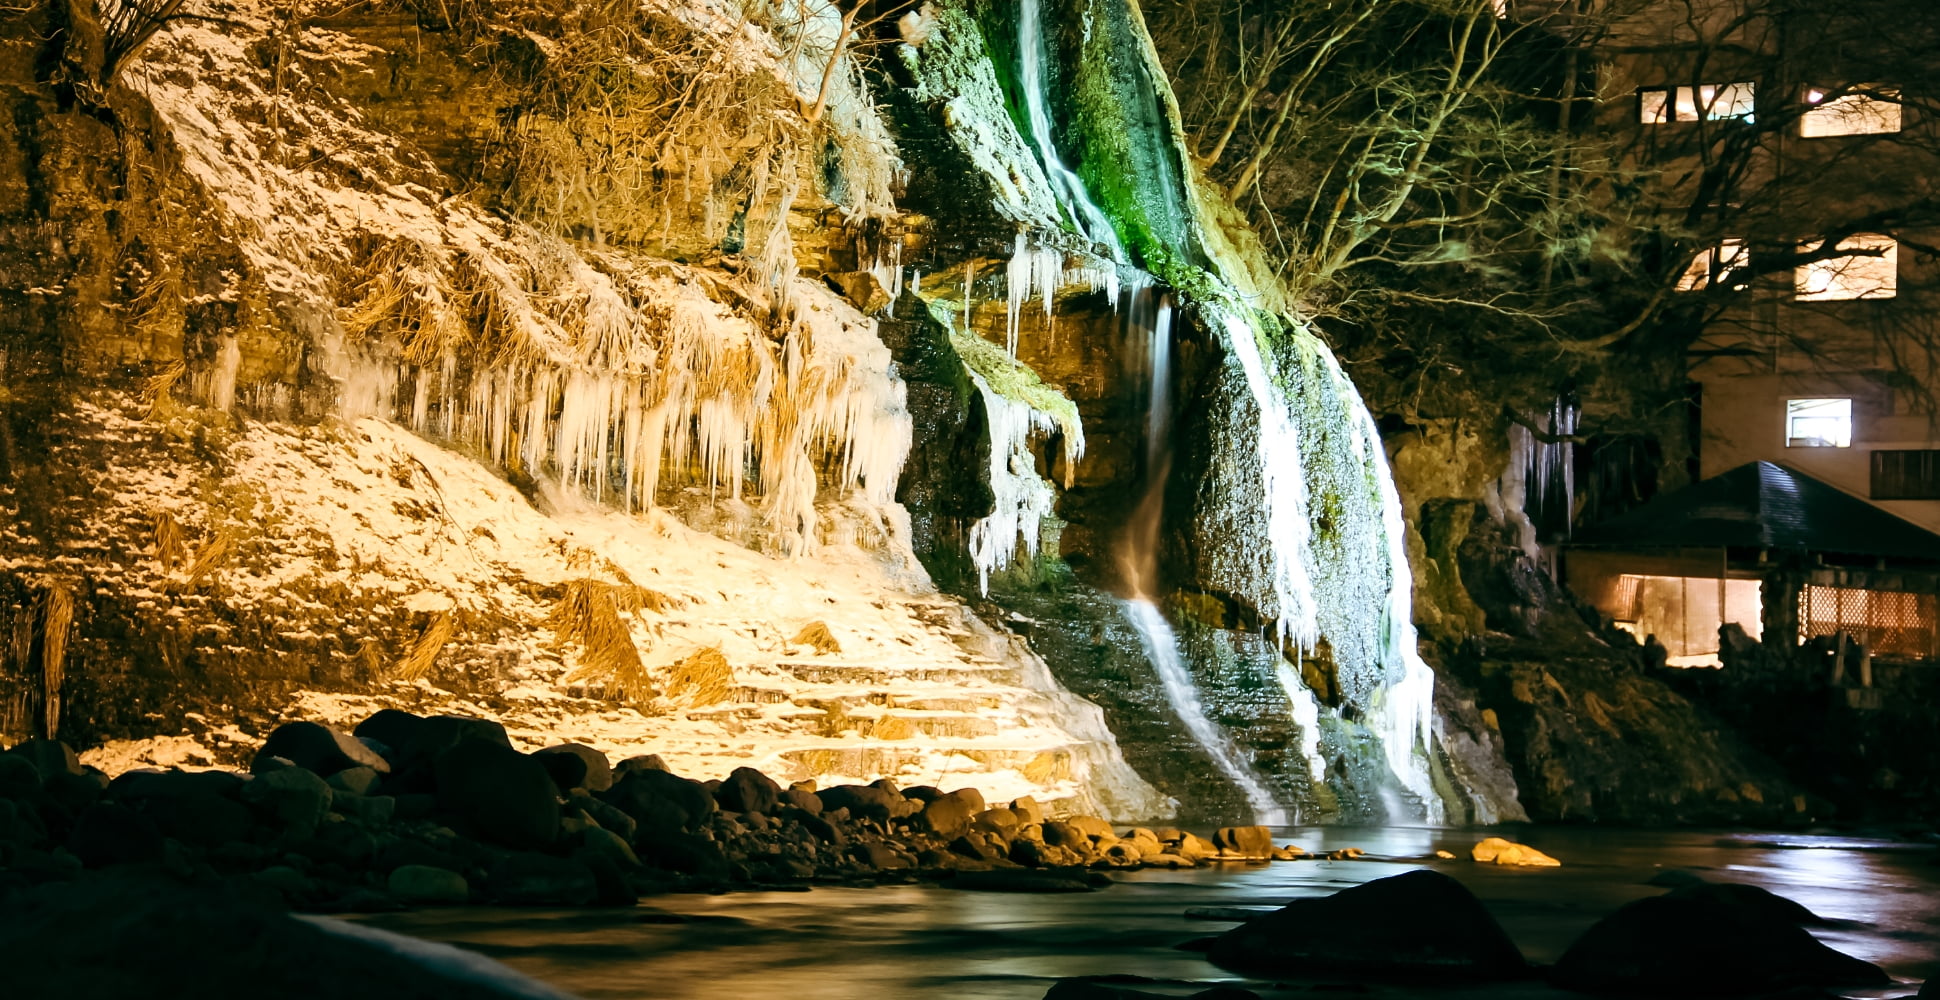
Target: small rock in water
1445 855
1496 850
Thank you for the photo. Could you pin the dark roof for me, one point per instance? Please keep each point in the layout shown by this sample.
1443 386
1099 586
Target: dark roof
1762 505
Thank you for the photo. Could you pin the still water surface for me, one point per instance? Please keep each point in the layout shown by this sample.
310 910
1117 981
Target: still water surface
925 941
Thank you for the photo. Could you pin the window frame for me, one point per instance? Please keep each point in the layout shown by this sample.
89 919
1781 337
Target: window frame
1929 457
1722 258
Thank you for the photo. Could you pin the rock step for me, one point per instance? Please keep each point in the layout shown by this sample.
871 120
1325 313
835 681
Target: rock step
1042 764
877 675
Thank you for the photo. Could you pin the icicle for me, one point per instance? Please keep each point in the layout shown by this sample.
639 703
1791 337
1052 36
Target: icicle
1023 498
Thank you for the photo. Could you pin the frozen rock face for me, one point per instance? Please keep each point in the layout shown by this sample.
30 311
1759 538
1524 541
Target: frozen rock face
404 445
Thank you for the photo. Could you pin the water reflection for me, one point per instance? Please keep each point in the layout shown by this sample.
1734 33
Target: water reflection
923 941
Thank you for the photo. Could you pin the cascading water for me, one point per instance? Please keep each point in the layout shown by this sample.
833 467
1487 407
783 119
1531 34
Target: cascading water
1149 314
1032 53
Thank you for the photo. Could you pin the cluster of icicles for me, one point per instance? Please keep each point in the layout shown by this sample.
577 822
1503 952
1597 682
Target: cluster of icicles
660 386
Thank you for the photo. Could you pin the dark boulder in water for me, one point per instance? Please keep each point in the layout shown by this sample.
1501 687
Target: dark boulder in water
1707 940
112 940
1414 925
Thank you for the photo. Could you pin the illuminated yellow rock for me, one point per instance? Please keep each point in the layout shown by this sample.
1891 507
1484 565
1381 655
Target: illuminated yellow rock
1506 852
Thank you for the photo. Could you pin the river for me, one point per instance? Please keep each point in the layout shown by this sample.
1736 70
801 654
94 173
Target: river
925 941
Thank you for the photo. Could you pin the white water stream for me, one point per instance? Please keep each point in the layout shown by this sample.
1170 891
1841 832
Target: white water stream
1150 313
1032 52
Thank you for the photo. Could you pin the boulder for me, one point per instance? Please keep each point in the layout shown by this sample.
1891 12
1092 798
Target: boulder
528 879
1697 941
687 853
1421 923
1000 820
49 757
802 798
659 801
881 856
352 781
1066 835
1246 841
424 885
319 749
950 813
1027 810
1092 826
393 728
293 797
1496 850
643 762
608 816
748 791
598 773
504 796
866 802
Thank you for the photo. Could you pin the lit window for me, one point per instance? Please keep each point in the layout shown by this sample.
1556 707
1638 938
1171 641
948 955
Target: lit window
1711 101
1818 423
1870 272
1717 265
1850 114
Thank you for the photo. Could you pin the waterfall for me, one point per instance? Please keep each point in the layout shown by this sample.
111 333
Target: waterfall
1151 314
1032 53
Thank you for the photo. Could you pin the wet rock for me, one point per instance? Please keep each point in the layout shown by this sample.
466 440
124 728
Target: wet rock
528 879
747 790
1245 841
319 749
1697 941
1421 923
1496 850
501 794
658 800
290 796
1675 878
424 885
597 774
